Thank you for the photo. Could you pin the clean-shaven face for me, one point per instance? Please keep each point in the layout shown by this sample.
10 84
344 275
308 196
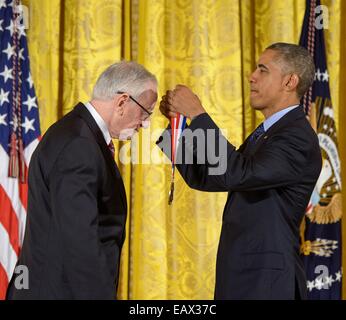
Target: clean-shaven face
266 82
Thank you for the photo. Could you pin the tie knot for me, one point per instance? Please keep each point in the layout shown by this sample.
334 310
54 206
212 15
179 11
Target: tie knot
111 148
257 133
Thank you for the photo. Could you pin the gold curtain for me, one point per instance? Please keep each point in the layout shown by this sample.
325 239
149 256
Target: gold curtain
212 46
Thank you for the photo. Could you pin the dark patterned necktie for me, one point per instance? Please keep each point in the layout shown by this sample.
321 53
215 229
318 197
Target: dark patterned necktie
111 148
257 133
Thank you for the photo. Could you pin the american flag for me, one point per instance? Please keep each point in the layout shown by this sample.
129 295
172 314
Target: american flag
19 123
321 241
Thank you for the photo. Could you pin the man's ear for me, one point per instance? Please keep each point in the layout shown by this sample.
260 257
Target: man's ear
292 82
119 103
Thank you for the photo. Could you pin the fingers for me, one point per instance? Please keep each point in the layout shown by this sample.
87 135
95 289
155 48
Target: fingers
166 108
171 102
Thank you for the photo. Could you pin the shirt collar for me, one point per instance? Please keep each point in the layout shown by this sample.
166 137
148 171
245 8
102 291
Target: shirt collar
100 122
277 116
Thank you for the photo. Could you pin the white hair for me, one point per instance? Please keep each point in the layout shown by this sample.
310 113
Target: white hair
125 76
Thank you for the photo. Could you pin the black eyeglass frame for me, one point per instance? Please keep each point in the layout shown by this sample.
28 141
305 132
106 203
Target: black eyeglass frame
135 101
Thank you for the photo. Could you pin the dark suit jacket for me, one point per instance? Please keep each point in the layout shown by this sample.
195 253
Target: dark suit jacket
269 187
76 214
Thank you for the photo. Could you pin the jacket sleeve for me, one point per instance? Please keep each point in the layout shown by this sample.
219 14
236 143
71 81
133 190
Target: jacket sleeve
278 162
73 187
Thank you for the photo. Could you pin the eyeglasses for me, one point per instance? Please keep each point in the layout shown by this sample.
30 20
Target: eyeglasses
135 101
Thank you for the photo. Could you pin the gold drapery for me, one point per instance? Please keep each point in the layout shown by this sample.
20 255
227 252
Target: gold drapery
211 46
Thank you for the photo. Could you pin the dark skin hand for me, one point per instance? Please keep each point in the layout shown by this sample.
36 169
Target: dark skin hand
181 100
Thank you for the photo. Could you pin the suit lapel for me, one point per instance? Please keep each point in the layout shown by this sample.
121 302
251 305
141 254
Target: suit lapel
246 148
293 115
83 112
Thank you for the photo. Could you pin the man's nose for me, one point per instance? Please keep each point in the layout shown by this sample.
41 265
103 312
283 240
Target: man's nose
252 77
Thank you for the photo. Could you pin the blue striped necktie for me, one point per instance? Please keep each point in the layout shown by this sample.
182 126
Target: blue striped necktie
257 133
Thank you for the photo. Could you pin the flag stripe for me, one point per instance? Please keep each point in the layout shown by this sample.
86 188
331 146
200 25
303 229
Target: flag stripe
29 149
3 283
9 220
23 194
11 188
8 257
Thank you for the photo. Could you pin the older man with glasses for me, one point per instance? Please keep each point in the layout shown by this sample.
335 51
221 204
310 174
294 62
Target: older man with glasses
77 203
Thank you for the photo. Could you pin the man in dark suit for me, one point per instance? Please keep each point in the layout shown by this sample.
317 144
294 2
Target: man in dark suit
77 203
269 180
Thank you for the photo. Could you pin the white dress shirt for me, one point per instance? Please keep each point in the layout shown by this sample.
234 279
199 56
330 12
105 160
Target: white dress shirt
100 122
277 116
